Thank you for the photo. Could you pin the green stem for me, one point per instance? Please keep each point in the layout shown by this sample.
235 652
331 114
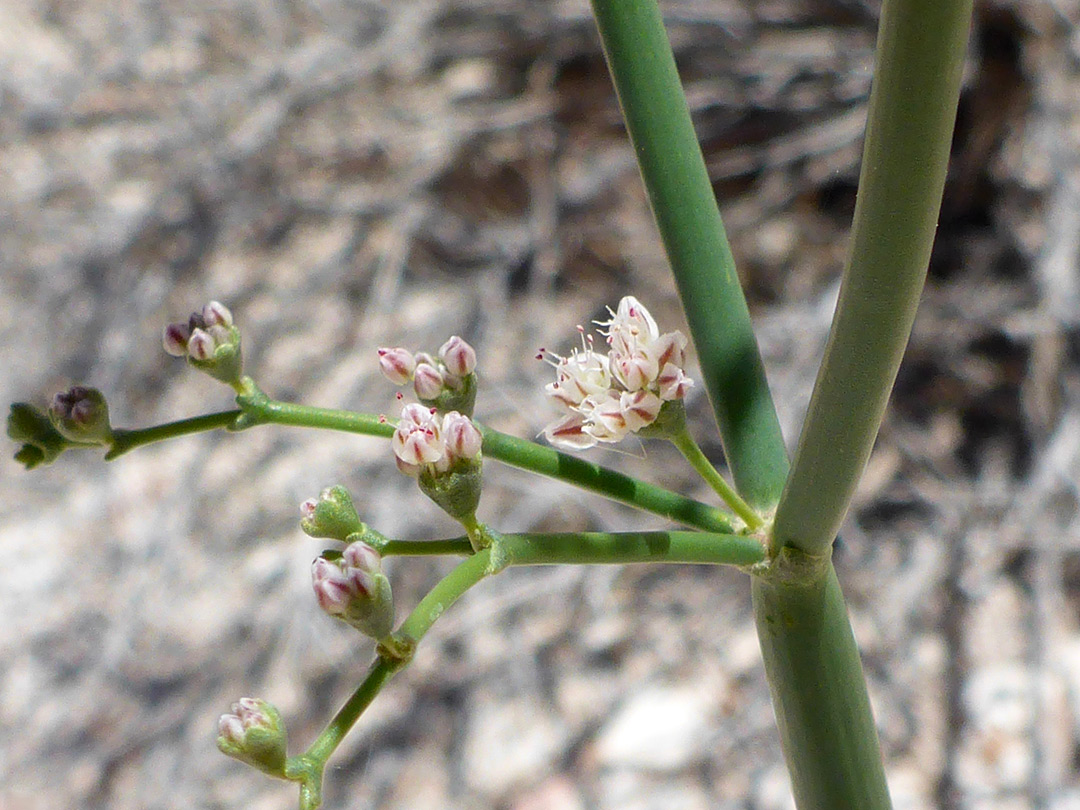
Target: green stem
692 452
819 695
262 410
458 546
673 169
823 712
526 455
616 486
448 590
913 102
125 440
515 549
606 548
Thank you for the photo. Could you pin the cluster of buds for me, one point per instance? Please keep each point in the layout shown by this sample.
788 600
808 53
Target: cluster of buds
254 733
447 383
605 397
78 416
210 342
353 588
331 515
443 454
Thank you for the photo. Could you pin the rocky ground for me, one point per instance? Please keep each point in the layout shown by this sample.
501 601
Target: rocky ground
350 174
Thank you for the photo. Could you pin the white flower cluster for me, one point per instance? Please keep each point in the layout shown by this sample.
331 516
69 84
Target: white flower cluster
608 396
422 439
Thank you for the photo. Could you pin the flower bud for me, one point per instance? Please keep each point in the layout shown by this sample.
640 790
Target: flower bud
41 442
201 345
210 341
570 432
175 339
639 408
461 436
355 590
397 364
458 356
217 314
363 556
81 414
331 515
427 382
254 733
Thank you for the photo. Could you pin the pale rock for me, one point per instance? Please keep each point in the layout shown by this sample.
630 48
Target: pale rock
662 729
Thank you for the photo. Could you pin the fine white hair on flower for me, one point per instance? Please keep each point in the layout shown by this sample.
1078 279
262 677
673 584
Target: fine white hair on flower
606 396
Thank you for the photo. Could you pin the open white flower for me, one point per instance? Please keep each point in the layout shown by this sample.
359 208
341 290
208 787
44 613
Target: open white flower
585 373
608 396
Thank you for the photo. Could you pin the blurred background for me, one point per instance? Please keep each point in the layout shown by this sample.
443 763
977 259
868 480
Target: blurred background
345 174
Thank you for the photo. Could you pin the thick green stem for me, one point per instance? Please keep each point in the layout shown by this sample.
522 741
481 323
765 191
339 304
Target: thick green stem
819 695
826 726
673 169
913 102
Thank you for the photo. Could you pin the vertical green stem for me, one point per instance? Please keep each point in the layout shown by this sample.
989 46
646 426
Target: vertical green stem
673 169
826 727
920 59
819 695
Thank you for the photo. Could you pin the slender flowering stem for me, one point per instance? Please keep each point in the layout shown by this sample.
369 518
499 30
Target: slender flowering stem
603 481
517 453
258 409
692 452
125 440
448 590
600 548
514 549
457 546
262 410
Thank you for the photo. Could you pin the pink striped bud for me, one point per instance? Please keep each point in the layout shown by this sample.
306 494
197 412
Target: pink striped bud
570 432
463 439
673 382
175 339
254 733
362 556
217 314
354 589
201 345
458 356
397 364
427 381
639 408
